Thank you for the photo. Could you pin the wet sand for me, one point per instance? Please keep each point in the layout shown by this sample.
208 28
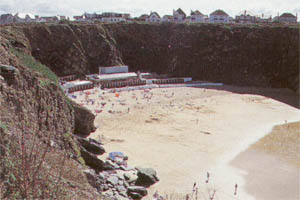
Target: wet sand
272 165
183 133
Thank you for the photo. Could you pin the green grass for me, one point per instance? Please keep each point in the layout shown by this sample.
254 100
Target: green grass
31 63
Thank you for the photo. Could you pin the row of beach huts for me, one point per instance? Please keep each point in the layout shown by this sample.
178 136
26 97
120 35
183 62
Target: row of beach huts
115 77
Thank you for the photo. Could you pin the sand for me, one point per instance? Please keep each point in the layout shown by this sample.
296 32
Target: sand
183 133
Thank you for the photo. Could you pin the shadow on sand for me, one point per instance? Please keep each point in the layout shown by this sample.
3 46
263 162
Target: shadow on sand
283 95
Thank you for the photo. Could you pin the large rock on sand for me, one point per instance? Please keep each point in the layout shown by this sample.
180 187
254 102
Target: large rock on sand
84 120
92 146
91 160
136 192
146 176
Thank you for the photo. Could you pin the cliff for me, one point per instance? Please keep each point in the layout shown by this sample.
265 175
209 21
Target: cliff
36 126
250 55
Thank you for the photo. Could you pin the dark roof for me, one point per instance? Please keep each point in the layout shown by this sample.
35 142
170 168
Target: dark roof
155 14
180 11
168 16
288 15
144 16
6 16
219 12
196 12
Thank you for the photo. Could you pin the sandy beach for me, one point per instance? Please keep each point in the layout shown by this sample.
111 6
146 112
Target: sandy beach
183 133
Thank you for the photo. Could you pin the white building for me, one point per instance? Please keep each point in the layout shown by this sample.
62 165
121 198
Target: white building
179 15
219 16
24 17
246 17
167 18
197 17
113 69
264 18
112 17
153 17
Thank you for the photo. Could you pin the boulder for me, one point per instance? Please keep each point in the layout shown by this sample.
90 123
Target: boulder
136 192
92 178
84 120
113 180
92 160
91 145
146 176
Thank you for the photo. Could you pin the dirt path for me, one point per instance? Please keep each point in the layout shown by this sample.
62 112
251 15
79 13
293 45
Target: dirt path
183 133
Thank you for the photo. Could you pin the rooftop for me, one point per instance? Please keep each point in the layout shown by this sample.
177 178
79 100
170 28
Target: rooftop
219 12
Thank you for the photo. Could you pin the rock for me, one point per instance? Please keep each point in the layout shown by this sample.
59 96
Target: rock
92 160
109 165
113 180
126 184
84 120
120 197
92 178
92 146
126 168
120 188
124 194
104 187
136 192
130 177
146 176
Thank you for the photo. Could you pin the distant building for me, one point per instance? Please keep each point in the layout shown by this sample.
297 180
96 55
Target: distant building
179 15
143 18
6 19
111 17
80 18
153 17
219 16
48 19
288 18
197 17
264 18
246 17
167 18
24 18
113 69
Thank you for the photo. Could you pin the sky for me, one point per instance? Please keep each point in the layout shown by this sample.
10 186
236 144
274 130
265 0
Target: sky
138 7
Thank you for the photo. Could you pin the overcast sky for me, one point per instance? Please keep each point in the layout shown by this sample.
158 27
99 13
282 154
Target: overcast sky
138 7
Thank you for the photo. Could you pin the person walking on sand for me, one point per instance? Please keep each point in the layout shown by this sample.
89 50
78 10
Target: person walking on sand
207 174
235 189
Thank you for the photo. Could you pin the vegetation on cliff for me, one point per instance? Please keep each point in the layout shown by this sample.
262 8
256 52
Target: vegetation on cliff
40 159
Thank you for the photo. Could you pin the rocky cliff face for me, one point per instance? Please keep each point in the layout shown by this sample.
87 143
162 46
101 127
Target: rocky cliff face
32 103
242 55
72 49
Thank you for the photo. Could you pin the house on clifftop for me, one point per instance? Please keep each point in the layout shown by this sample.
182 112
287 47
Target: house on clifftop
246 17
167 18
219 16
179 15
197 17
153 17
288 18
